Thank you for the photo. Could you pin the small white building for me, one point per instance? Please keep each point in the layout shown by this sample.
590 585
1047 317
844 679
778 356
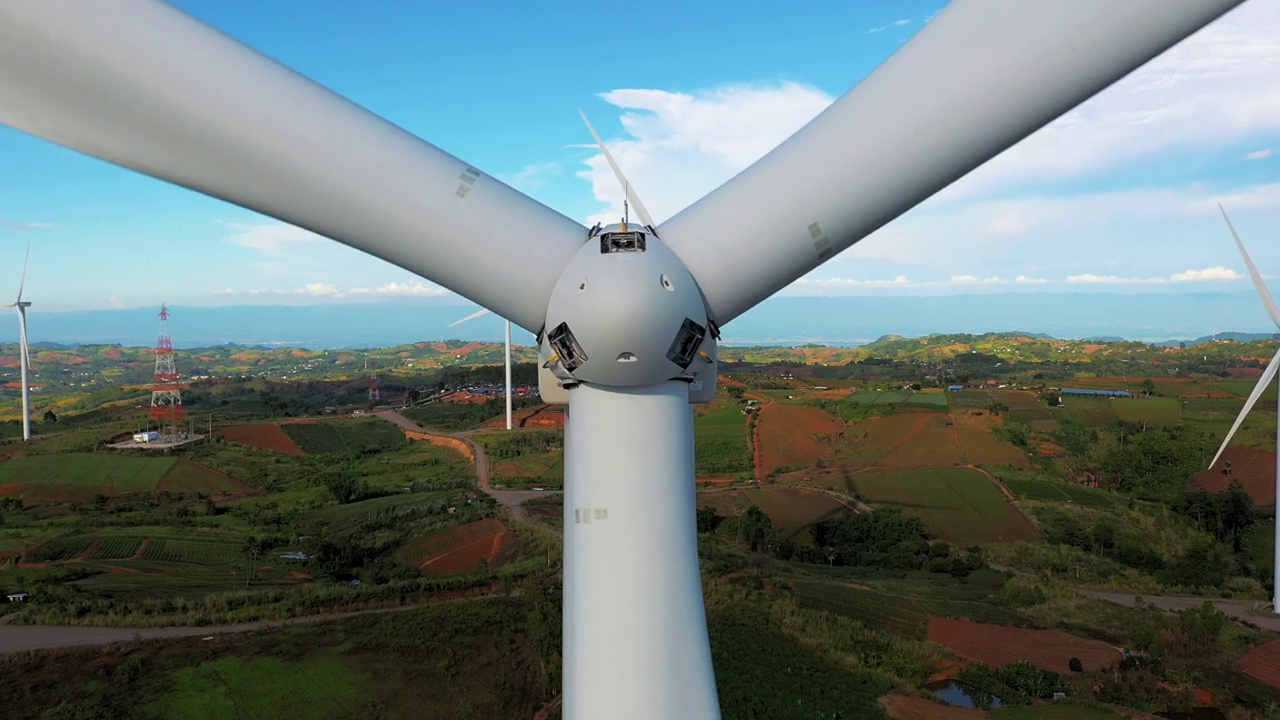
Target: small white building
146 437
18 597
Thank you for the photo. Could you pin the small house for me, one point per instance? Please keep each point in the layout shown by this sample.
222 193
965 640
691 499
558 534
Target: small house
18 597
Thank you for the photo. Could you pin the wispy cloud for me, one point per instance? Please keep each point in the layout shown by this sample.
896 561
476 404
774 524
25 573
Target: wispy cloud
409 289
23 225
310 289
274 239
1262 154
1025 280
683 145
116 302
1209 274
889 26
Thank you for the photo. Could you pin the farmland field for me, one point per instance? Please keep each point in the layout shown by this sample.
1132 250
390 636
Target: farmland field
1091 411
898 397
1263 662
267 436
458 549
1031 488
1000 645
796 435
191 477
900 440
1149 411
80 476
344 436
1026 407
1255 469
722 444
792 510
960 505
869 607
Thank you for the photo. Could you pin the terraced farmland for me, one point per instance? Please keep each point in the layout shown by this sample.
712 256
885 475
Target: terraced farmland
792 510
960 505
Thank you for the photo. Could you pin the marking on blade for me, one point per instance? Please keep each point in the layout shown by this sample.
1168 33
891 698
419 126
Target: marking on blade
820 241
468 178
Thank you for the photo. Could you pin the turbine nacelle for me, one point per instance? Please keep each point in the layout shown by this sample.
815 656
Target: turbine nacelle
626 313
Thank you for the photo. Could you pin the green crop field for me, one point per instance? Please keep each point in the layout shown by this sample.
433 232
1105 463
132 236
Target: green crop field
199 552
722 443
869 607
344 436
1057 711
1093 411
1149 411
959 505
792 510
898 397
190 477
971 397
117 548
1031 488
1241 388
73 476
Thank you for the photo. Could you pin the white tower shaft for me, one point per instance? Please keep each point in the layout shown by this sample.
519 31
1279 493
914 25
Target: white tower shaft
635 631
508 368
24 360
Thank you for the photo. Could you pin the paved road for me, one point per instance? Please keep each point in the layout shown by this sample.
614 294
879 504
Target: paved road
1239 609
511 500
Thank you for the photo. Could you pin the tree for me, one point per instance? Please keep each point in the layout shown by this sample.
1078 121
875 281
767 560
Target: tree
49 417
1075 665
757 530
709 519
1148 387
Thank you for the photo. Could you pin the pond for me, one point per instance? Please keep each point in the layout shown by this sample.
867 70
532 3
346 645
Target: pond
960 695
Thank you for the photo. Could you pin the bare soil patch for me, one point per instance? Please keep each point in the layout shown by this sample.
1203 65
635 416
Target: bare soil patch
1263 662
267 436
791 435
1255 469
1000 645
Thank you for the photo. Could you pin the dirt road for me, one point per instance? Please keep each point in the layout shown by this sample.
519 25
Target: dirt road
1241 610
510 500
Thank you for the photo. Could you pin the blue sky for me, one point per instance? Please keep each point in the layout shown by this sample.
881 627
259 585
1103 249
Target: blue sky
1120 196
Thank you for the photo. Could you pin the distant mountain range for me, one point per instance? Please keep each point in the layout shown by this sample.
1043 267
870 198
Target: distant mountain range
1151 317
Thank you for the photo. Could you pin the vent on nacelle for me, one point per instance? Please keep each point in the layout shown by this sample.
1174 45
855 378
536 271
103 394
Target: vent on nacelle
564 344
685 346
620 242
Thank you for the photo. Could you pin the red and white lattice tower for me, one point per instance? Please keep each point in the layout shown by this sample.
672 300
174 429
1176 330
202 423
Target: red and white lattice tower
166 400
374 385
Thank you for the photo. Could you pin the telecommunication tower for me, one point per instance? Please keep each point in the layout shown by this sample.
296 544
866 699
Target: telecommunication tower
374 393
166 400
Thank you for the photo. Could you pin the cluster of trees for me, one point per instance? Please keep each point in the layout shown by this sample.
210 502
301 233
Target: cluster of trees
1018 683
1154 464
525 443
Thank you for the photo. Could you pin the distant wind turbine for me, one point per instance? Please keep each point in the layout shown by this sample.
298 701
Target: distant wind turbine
475 315
1267 376
24 355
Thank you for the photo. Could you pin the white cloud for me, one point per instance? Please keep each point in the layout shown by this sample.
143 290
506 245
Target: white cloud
1212 273
414 288
1262 154
975 280
532 177
1214 89
889 26
310 289
832 283
684 145
116 302
274 239
1025 280
1207 274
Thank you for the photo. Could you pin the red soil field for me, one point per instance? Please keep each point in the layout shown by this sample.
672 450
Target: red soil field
905 707
459 549
267 436
539 416
1000 645
192 477
1263 662
1255 469
796 435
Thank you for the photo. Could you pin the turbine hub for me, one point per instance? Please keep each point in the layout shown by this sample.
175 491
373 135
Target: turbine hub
626 312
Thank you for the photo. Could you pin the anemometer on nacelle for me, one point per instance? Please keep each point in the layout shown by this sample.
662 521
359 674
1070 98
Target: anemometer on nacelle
624 292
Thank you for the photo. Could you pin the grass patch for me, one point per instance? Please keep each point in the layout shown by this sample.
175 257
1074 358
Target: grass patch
79 476
722 443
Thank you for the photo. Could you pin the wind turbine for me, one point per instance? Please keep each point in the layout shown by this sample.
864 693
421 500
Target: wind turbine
626 318
24 354
507 363
1264 380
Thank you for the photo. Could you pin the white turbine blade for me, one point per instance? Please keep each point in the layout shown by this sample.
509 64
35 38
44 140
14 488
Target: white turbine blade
636 646
23 282
1263 382
632 197
472 316
141 84
979 77
1253 271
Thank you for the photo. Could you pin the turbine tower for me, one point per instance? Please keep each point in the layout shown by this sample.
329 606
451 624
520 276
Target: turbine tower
166 397
375 392
24 353
626 317
507 362
1264 381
